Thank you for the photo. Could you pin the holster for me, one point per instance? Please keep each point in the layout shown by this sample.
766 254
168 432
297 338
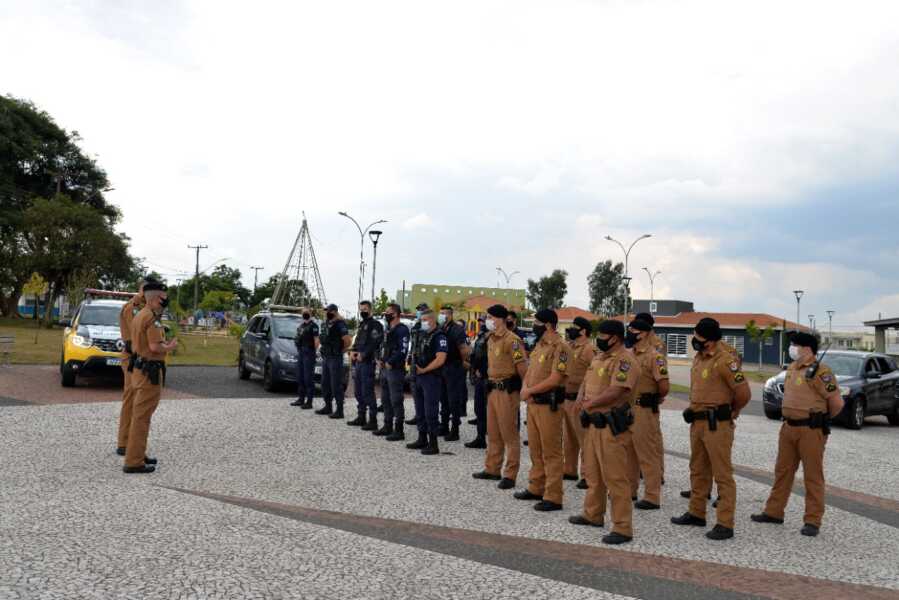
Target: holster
721 412
128 349
819 420
585 419
553 398
132 358
649 401
620 419
152 368
511 384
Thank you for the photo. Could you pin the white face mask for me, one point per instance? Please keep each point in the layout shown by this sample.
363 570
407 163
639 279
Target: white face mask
426 326
794 353
441 319
491 325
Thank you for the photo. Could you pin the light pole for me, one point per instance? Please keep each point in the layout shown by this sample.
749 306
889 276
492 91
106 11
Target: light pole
256 277
362 233
830 314
627 253
798 294
374 235
652 281
811 322
626 286
508 276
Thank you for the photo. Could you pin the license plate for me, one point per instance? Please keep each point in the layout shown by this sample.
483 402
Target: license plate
114 362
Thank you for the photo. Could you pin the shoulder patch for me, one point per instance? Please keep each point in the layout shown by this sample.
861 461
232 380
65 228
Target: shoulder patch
734 367
515 345
660 361
831 387
663 370
739 378
563 357
624 366
621 376
826 377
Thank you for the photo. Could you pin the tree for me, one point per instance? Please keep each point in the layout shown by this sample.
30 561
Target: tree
382 302
549 291
604 286
218 300
759 335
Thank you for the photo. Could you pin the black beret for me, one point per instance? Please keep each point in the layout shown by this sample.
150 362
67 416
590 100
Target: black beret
611 327
645 317
547 315
802 338
422 306
446 307
151 286
331 307
498 310
583 324
640 325
709 328
513 314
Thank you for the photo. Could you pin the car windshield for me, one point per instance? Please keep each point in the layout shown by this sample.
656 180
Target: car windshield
286 326
100 315
844 365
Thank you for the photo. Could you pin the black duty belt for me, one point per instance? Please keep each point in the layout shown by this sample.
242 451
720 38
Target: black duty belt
151 368
618 419
511 384
649 401
816 420
722 412
554 398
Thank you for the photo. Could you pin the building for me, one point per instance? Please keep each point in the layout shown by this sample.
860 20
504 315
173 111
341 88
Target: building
438 294
567 315
849 340
886 335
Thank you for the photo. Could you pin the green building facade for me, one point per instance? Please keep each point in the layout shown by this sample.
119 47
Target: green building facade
437 294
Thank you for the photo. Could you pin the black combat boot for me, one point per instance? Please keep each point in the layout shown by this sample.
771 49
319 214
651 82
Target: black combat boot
431 449
478 442
325 410
307 405
297 402
397 434
359 421
337 414
412 421
372 424
443 430
386 430
421 442
453 435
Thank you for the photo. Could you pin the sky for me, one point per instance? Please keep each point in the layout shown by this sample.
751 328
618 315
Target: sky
756 142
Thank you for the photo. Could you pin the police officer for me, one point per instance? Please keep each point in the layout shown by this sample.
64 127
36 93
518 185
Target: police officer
307 342
430 356
126 317
572 431
606 396
454 392
365 350
811 397
654 340
478 375
335 340
506 366
414 333
718 392
651 388
150 348
512 325
544 392
392 363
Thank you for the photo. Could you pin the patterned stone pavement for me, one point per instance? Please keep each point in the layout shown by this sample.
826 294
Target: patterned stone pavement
255 499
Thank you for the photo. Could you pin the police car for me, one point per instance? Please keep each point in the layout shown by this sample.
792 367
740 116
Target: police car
91 344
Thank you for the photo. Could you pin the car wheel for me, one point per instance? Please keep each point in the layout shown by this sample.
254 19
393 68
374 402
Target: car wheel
268 378
856 416
68 376
242 370
772 413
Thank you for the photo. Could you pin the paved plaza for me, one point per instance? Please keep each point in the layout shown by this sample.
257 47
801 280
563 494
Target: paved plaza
257 499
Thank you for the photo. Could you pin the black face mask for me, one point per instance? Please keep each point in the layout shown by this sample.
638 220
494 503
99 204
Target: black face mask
164 302
306 316
539 330
330 315
510 324
573 333
389 317
603 345
364 315
631 339
697 345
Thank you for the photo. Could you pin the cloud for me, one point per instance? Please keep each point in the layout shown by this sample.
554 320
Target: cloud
419 221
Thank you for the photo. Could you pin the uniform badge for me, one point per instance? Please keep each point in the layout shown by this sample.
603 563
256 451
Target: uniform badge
562 367
738 378
624 366
496 352
515 345
563 357
734 367
826 377
601 371
799 380
831 387
660 361
705 373
515 355
621 376
542 358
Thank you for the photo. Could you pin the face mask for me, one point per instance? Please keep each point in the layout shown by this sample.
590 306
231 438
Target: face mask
491 325
603 344
573 333
330 315
510 324
539 330
417 314
306 316
426 326
441 319
389 317
794 353
364 315
697 345
164 302
631 339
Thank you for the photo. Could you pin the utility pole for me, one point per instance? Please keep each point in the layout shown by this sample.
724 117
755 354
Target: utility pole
798 294
830 314
198 247
256 276
652 282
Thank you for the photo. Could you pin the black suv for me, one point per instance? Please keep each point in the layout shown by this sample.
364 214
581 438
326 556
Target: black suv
868 383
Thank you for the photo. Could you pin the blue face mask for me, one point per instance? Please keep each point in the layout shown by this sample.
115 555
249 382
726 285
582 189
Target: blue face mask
441 319
417 314
426 326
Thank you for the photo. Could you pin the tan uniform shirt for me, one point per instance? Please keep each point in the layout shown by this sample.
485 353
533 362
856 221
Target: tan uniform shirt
616 368
579 360
657 343
504 351
546 357
803 396
127 314
715 379
147 328
653 368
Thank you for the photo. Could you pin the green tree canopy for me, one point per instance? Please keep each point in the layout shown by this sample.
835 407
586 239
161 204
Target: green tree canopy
604 286
548 291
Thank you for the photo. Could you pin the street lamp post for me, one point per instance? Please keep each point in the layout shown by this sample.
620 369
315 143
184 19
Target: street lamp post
374 235
652 281
626 287
830 314
811 322
362 233
507 276
798 294
627 253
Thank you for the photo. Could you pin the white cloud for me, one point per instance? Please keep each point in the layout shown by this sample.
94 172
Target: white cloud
419 221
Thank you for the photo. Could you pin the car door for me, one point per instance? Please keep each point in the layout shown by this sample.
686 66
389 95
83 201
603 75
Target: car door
263 341
887 385
872 385
248 343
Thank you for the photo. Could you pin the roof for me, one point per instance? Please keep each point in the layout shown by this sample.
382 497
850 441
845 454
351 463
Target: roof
727 320
569 313
104 302
883 323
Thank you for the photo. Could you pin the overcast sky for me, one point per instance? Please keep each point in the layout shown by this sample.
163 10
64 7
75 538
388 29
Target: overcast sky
756 141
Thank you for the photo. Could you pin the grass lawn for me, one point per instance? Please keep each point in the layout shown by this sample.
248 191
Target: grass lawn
192 350
679 389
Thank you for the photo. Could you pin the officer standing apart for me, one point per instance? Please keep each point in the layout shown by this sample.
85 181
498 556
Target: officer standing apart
606 396
506 366
572 431
652 387
430 356
454 393
811 396
414 334
478 374
365 350
544 393
393 374
148 343
335 339
126 318
307 342
718 392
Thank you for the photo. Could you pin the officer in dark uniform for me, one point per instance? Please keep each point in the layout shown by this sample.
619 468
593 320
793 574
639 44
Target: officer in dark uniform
335 339
478 375
430 355
414 334
307 342
454 392
392 362
365 350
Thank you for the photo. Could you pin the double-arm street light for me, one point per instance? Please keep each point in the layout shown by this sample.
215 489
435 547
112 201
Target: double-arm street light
798 294
375 235
362 233
626 278
652 281
507 276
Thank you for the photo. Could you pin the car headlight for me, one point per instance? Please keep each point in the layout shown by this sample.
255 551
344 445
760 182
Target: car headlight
287 357
769 385
845 390
81 341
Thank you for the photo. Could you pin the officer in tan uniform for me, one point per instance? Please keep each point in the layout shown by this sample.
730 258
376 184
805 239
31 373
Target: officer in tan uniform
606 396
811 396
652 387
126 316
544 393
506 366
718 392
572 431
148 343
654 340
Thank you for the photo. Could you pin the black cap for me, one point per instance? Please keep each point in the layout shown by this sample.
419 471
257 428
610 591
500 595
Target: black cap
499 311
709 328
802 338
422 306
583 323
611 327
645 317
446 307
151 286
331 307
547 315
640 325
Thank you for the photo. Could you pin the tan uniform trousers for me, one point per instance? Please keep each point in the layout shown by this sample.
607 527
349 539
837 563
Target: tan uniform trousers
645 455
805 445
710 457
572 438
606 470
502 434
545 447
127 402
146 399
